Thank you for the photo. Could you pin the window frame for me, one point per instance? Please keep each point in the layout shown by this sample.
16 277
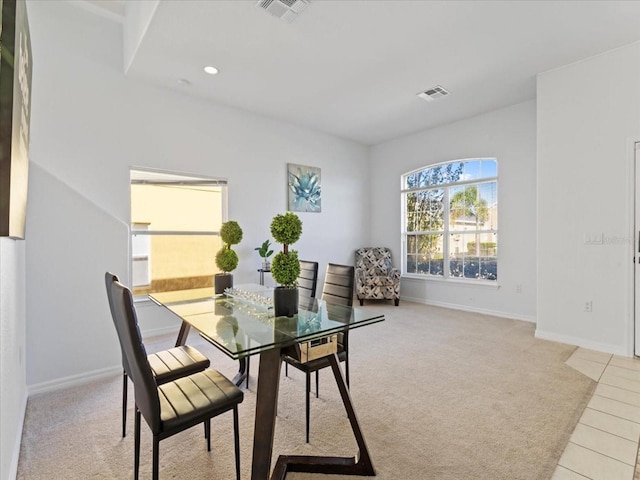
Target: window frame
152 176
446 231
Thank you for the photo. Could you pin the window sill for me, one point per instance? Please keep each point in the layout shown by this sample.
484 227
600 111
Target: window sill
461 282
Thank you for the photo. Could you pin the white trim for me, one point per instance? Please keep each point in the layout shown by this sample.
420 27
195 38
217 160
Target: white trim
13 469
581 342
73 380
482 311
450 281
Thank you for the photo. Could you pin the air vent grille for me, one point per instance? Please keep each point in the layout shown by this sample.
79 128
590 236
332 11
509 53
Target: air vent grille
287 10
433 93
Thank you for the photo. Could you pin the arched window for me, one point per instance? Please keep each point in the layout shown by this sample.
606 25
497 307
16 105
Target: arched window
450 212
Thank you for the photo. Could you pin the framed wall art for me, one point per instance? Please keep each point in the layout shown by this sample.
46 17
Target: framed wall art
304 189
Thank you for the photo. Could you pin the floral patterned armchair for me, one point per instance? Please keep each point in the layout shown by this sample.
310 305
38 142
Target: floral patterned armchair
375 276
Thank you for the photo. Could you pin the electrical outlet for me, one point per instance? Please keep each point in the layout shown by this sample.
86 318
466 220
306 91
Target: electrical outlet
519 288
588 306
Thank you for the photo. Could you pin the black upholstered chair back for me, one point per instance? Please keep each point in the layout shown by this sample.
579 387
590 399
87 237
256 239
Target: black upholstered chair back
338 284
126 323
308 279
109 278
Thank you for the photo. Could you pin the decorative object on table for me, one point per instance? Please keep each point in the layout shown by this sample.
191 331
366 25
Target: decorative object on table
227 258
305 194
376 278
285 269
265 252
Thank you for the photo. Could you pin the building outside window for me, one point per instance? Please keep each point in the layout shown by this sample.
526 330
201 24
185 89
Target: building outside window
450 220
175 225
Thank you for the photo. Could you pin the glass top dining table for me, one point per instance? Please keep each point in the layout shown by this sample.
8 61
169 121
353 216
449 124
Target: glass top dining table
241 323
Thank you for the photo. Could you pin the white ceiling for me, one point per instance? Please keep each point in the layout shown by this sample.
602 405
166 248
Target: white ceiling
353 68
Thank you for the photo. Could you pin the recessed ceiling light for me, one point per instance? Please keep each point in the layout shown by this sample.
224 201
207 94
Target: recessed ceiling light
211 70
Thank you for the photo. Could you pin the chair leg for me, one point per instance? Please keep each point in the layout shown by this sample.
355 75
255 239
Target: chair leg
156 458
125 383
236 438
248 370
361 302
346 367
207 433
307 405
397 301
136 448
286 369
317 384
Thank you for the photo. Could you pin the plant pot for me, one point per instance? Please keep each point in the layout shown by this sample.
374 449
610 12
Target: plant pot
285 301
222 281
266 265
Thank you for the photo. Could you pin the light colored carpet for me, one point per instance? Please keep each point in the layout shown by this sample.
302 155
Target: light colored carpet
440 394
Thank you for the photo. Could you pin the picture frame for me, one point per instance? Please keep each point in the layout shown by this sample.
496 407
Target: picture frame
304 188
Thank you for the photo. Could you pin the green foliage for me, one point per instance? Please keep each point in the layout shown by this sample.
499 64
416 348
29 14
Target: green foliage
487 249
286 229
226 259
467 203
285 268
231 233
263 250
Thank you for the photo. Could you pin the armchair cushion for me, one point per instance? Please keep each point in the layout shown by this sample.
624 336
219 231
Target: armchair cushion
376 278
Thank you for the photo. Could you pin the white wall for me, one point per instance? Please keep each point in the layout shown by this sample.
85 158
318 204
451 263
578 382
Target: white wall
509 135
13 386
90 124
588 118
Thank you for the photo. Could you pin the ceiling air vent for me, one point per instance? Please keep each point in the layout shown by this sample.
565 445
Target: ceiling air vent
433 93
286 10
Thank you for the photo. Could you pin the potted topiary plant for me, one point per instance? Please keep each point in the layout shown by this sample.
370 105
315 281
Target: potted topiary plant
227 258
285 268
265 252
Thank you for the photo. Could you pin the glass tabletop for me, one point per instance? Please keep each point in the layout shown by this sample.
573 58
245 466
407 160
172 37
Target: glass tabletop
241 322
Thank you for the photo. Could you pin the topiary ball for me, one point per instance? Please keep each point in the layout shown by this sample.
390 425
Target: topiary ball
285 268
226 260
287 228
231 233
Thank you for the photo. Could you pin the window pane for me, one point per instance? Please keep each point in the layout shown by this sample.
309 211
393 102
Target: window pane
412 244
488 194
430 254
177 262
472 170
177 208
467 209
411 263
489 168
473 256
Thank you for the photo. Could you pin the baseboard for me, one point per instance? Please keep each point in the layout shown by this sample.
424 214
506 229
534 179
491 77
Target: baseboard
13 470
73 380
581 342
454 306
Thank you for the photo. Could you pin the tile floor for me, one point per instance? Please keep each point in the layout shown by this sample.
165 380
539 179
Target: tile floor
604 444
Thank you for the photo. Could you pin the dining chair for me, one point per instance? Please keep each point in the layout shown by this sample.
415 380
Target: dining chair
174 406
337 290
308 279
307 286
166 365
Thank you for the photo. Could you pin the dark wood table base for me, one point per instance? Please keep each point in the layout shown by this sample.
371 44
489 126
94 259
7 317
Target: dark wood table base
268 382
